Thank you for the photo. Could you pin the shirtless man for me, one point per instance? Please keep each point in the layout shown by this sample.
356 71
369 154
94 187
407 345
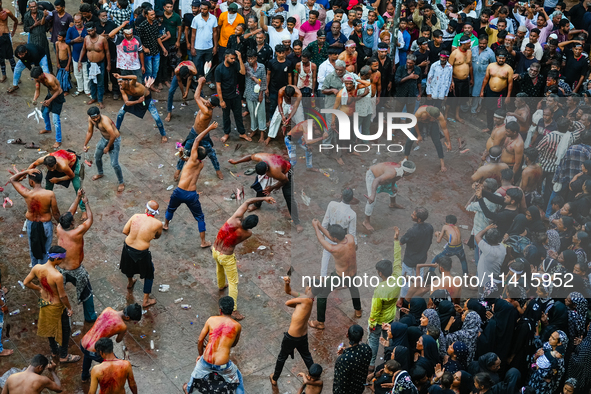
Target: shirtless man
109 323
110 143
376 79
55 309
234 231
112 374
96 48
349 91
493 168
137 100
298 135
454 245
274 172
31 380
522 114
71 238
513 148
382 178
429 121
224 334
463 77
498 133
186 191
532 175
6 52
53 102
342 247
183 75
41 206
288 107
498 83
136 258
202 120
297 335
63 167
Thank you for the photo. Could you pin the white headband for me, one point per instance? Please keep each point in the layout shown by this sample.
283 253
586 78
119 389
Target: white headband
152 211
400 170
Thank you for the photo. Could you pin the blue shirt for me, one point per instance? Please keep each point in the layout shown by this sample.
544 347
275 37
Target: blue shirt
402 52
331 40
72 34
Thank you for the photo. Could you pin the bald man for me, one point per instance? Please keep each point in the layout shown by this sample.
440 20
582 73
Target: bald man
136 258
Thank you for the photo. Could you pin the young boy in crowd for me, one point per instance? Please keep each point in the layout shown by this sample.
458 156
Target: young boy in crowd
312 382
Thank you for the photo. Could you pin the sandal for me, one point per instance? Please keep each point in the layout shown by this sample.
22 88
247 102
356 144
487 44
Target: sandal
76 94
32 145
250 171
17 141
315 324
70 359
12 89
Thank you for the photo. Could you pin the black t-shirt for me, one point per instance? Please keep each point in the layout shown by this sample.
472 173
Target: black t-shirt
293 60
421 57
574 68
434 51
33 57
109 26
523 63
279 74
188 20
228 77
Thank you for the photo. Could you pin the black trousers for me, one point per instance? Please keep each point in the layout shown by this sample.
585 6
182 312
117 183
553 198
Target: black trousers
427 129
288 345
63 349
323 292
287 190
492 105
235 106
22 9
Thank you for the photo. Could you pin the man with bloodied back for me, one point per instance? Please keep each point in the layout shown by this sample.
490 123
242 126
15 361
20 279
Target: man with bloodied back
112 374
214 372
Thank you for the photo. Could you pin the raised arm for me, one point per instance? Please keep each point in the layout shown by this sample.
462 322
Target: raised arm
321 232
74 205
242 160
116 30
244 207
201 135
18 177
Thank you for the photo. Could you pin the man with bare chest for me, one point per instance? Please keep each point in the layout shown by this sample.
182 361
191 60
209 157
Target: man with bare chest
71 238
112 374
31 380
202 120
532 175
288 108
53 102
342 247
110 143
430 121
109 323
6 52
463 77
497 135
297 335
136 258
273 172
224 333
497 83
513 148
376 79
137 100
493 168
183 76
236 230
522 114
96 48
186 192
54 306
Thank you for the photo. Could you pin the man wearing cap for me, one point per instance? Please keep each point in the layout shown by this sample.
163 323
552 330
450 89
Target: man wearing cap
382 178
467 31
497 83
429 121
136 258
319 48
130 53
96 48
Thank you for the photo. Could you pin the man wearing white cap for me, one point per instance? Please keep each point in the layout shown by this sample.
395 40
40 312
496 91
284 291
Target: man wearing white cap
382 178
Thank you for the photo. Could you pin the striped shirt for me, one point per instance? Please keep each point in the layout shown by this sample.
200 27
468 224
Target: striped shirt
547 150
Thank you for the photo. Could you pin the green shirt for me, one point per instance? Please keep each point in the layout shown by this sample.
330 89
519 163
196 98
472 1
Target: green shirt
318 55
456 41
383 303
172 24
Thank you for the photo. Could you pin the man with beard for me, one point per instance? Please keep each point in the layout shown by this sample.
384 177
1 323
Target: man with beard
493 168
386 69
330 87
530 82
439 79
497 83
204 37
288 107
408 84
5 40
482 56
513 148
463 77
96 49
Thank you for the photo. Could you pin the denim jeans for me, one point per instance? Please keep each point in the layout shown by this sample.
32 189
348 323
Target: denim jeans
97 90
89 357
113 154
151 63
20 67
554 194
235 106
201 57
291 150
56 122
75 183
209 150
373 341
48 227
174 85
453 251
153 112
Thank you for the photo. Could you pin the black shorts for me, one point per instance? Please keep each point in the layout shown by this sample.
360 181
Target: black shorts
6 51
56 105
461 87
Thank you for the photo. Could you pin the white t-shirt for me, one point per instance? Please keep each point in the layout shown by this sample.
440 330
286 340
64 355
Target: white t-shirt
224 6
275 37
204 31
490 260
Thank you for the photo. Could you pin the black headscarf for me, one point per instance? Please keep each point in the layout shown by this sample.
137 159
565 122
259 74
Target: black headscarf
519 225
477 307
535 225
510 385
445 310
402 355
557 320
413 334
399 337
467 383
506 317
430 349
484 363
413 318
570 259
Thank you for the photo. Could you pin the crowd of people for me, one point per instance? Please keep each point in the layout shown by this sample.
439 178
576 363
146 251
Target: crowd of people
524 64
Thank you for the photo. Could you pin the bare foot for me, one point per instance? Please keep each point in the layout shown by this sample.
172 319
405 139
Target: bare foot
121 187
95 177
223 288
262 138
267 141
458 119
273 382
316 324
368 226
149 303
84 216
2 80
237 316
252 133
245 137
164 139
101 105
443 168
205 244
358 313
177 174
131 284
225 138
340 161
396 206
44 131
6 352
486 130
299 228
219 174
153 89
56 145
91 101
312 169
167 119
